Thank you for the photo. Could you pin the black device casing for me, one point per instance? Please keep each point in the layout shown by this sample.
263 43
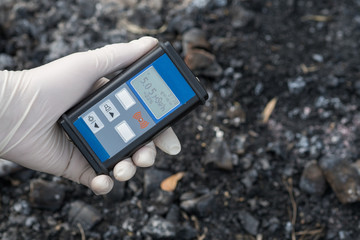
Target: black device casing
68 118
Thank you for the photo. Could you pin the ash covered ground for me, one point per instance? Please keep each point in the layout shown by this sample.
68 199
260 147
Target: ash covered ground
272 155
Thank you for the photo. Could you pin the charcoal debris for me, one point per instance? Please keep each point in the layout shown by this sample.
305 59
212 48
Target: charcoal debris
219 155
46 195
201 206
85 215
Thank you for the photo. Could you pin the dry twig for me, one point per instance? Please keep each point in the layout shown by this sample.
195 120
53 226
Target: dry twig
268 110
289 187
82 232
313 234
309 69
203 236
316 18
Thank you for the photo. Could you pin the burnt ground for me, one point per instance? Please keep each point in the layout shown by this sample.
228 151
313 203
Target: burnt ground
242 175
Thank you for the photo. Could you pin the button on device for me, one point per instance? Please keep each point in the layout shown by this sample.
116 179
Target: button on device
126 100
125 132
109 110
93 122
143 123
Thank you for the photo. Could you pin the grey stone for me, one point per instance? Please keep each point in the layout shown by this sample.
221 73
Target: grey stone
249 222
201 206
238 144
87 8
312 179
318 57
159 228
241 17
219 154
296 85
6 61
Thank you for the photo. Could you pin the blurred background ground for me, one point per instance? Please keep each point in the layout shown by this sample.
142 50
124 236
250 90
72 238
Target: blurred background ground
272 155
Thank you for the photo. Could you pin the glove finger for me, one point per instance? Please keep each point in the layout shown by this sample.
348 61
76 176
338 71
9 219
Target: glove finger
102 184
124 170
145 156
168 142
72 77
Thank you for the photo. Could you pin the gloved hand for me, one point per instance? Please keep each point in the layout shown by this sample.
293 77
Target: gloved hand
31 102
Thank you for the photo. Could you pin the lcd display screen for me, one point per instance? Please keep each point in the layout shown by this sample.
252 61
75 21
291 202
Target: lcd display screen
155 93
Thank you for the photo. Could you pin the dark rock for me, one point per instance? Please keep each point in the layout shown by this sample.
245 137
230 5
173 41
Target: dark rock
173 214
158 209
162 197
238 144
145 17
87 8
194 38
219 154
46 195
187 196
180 25
159 228
312 179
22 207
201 206
249 177
249 222
83 214
117 193
220 3
343 178
241 16
357 87
7 167
199 59
246 161
186 233
152 179
273 224
197 56
333 81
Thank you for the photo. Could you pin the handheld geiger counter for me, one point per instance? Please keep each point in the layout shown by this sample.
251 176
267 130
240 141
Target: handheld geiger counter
133 108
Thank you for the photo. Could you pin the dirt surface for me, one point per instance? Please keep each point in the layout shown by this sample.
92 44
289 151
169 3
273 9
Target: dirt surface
242 173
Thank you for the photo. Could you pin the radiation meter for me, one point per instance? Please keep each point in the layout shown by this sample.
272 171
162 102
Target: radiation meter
133 108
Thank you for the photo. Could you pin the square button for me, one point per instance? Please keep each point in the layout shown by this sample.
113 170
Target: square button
109 110
126 100
125 132
93 122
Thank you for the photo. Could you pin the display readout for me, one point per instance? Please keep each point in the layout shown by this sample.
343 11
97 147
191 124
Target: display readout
155 93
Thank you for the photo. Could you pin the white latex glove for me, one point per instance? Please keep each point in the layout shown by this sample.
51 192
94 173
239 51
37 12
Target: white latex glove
31 102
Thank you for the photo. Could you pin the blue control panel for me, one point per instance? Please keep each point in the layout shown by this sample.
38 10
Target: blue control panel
134 108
